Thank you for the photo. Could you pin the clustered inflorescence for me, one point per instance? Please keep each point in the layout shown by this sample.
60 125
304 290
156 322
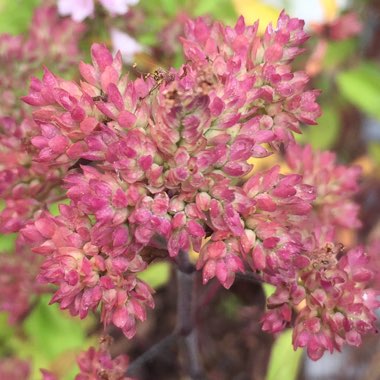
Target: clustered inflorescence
25 185
162 163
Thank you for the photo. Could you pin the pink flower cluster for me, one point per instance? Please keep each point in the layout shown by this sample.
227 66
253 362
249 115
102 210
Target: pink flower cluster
158 163
92 264
97 364
329 288
18 271
345 26
50 40
14 368
25 185
335 185
94 364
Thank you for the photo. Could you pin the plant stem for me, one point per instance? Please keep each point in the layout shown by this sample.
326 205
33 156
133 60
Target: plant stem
195 367
186 315
185 323
154 351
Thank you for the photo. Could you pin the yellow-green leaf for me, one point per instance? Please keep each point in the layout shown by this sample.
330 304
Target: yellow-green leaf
156 275
361 86
284 362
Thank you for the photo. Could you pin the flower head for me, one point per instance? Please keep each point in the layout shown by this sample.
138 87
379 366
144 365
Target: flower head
160 163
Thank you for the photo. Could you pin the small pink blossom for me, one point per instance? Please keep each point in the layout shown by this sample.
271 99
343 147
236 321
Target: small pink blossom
18 272
335 184
97 363
85 262
14 368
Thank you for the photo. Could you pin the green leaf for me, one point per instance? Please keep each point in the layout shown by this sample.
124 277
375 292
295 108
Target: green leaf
325 134
268 290
15 15
230 305
361 86
338 52
220 9
6 333
284 362
156 274
51 335
7 242
170 6
52 329
374 151
54 207
147 39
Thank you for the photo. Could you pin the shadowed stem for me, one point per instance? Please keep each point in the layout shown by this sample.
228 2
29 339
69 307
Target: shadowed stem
186 315
185 323
153 352
194 363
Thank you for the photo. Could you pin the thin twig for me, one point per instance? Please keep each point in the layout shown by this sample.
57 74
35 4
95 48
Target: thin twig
154 351
249 276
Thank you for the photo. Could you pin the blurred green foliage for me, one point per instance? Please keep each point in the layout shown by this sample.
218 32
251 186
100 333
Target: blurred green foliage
48 338
15 15
325 134
156 275
7 242
284 362
361 87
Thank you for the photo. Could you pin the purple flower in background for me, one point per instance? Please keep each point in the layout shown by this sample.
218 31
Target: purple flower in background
124 43
81 9
119 7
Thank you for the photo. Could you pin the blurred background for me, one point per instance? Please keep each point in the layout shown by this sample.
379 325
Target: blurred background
343 60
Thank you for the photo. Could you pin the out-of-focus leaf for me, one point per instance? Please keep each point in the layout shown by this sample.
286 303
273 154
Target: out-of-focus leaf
6 332
338 52
7 242
361 86
170 6
54 207
230 305
223 10
178 60
374 152
324 135
284 362
253 10
147 39
268 290
156 274
15 15
49 333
